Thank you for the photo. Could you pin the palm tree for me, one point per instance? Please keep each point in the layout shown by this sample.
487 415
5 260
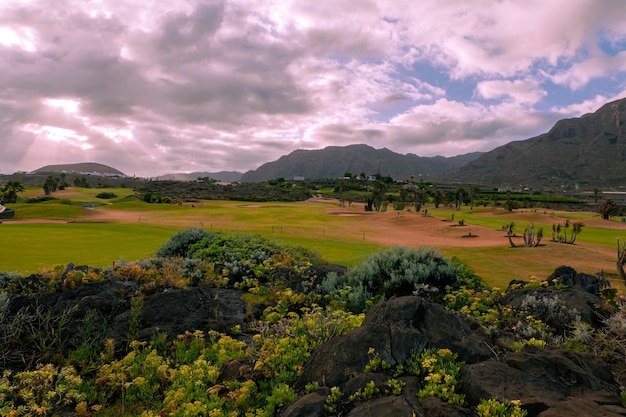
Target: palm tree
50 185
474 194
10 191
378 193
596 191
458 195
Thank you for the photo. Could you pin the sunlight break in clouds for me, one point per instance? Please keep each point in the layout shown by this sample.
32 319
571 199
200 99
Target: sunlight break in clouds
209 85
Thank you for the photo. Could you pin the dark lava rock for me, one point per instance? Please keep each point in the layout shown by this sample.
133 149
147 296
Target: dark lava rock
434 407
568 276
543 380
383 407
582 303
309 405
394 329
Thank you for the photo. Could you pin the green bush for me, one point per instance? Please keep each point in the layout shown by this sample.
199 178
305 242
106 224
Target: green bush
391 272
41 199
106 195
253 259
180 244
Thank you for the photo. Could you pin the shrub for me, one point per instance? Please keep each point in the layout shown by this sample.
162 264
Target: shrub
495 408
551 310
42 391
8 278
392 272
106 195
249 259
180 244
41 199
440 370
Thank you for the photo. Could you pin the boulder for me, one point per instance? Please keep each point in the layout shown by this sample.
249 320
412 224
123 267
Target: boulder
582 303
394 329
568 276
393 406
434 407
577 407
543 380
309 405
172 311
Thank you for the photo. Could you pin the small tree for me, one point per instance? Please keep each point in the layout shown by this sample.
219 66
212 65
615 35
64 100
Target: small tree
562 238
510 204
438 198
510 232
50 185
532 238
63 183
608 209
81 182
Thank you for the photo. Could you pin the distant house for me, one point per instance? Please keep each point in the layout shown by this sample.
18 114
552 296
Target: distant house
298 178
411 187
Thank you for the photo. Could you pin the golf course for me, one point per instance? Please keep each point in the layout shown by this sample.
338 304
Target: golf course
78 227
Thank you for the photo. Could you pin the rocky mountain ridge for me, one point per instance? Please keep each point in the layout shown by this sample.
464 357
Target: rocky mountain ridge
589 151
335 161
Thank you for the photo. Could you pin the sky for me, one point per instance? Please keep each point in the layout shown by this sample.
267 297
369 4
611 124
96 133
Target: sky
153 87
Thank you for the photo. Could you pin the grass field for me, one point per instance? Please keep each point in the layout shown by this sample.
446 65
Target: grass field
61 231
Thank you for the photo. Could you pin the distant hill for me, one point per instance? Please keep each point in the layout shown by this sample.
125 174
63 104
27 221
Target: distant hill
587 151
224 176
81 168
334 161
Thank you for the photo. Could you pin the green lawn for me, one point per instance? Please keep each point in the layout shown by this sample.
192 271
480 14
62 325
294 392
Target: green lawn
135 229
30 247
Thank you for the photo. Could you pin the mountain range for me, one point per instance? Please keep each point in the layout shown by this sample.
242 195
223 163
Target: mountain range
585 151
589 151
335 161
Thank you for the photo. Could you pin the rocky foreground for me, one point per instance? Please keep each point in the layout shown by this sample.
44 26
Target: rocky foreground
546 381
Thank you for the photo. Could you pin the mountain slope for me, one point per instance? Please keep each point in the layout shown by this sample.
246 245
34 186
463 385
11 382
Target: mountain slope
334 161
84 167
585 151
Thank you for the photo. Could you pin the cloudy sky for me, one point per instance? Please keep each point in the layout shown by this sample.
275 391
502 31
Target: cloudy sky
152 86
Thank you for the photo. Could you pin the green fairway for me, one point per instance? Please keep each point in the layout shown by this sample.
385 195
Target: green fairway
30 247
139 229
81 228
